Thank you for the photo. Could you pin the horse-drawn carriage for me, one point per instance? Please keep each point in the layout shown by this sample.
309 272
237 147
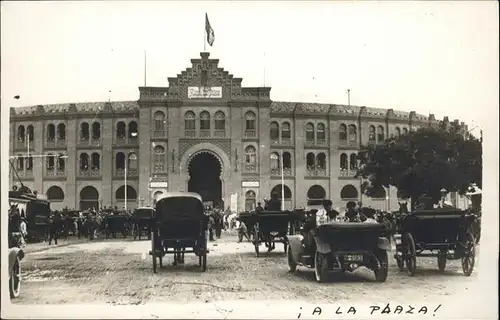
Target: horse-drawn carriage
179 223
68 222
141 222
116 222
444 233
339 247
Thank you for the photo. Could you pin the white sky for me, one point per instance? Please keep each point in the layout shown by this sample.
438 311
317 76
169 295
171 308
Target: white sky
427 56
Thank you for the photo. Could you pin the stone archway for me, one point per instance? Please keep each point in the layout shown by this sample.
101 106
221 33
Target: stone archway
205 171
89 198
219 154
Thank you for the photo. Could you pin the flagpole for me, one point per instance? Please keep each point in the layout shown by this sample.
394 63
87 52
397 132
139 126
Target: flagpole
264 69
282 184
204 33
145 68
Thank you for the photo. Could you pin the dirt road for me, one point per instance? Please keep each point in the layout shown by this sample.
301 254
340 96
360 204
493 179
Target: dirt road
120 272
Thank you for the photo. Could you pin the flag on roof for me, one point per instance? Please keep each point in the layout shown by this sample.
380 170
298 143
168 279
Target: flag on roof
209 31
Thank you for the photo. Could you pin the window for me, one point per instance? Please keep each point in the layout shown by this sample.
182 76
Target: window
20 133
20 163
371 134
398 131
380 134
132 130
29 163
250 156
31 133
132 161
274 131
61 131
275 161
51 132
287 160
120 161
309 132
342 132
250 200
310 159
343 162
189 121
353 161
204 121
220 121
159 159
353 135
320 132
61 162
250 121
285 131
349 192
159 118
84 161
96 161
96 131
84 131
50 162
321 161
120 130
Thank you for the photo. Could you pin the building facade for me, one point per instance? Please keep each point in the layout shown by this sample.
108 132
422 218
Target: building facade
204 133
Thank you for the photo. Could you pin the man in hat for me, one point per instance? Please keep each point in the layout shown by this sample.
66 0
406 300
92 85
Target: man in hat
351 214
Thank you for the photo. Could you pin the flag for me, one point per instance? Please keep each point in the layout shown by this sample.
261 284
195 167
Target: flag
209 31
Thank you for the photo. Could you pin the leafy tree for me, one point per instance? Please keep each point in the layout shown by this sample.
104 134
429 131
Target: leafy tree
423 162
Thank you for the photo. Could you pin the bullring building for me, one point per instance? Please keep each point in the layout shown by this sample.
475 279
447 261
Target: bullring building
205 133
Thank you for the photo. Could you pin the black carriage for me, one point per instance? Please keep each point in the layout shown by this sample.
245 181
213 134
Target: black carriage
270 227
36 212
339 247
141 222
444 233
116 223
69 219
179 226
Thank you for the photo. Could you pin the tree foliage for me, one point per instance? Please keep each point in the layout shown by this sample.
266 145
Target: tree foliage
423 162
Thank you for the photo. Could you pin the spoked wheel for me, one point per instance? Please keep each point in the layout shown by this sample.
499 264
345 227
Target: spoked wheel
381 273
442 260
411 255
469 254
321 267
291 261
400 262
15 279
256 240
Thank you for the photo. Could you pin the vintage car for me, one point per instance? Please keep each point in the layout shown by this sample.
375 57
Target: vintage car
444 233
339 247
179 225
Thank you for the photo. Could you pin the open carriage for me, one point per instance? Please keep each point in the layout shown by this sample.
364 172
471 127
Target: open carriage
141 222
179 226
444 233
339 247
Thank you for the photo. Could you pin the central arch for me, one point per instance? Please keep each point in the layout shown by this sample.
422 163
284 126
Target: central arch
205 169
89 198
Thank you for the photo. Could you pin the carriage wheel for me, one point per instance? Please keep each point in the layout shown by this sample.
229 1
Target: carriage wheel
400 263
15 280
321 267
469 254
291 261
411 255
381 274
442 261
203 262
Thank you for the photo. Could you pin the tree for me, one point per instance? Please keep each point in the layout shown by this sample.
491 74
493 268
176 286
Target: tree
423 162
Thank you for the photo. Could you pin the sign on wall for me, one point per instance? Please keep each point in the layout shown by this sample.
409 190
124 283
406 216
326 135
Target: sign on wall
250 184
158 184
204 92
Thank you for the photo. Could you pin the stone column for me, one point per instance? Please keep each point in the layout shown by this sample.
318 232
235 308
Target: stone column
107 165
71 193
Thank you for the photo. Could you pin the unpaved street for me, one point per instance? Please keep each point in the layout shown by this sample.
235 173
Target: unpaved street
120 272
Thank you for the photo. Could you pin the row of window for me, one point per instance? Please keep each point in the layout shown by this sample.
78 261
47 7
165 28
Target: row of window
56 193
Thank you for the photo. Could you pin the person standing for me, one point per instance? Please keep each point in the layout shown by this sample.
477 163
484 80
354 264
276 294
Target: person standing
53 230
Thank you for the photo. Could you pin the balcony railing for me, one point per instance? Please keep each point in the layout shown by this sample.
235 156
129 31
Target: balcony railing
348 172
205 133
350 143
314 172
95 141
126 141
287 172
159 133
317 142
25 173
90 172
275 141
190 133
50 143
250 167
22 144
250 133
220 133
130 172
61 142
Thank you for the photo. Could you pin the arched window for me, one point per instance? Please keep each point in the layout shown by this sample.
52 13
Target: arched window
316 192
159 118
50 162
132 130
287 160
378 192
21 134
121 130
120 161
84 161
380 134
277 192
220 120
159 159
275 161
132 161
321 161
309 132
343 162
353 135
250 158
310 159
353 161
29 163
51 132
371 134
349 192
189 121
398 131
131 193
30 133
320 132
61 131
204 120
250 200
96 161
55 193
274 131
285 131
342 132
405 130
20 163
84 131
61 162
96 131
250 121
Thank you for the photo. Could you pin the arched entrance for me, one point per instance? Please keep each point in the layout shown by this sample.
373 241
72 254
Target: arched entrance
316 192
89 198
205 177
